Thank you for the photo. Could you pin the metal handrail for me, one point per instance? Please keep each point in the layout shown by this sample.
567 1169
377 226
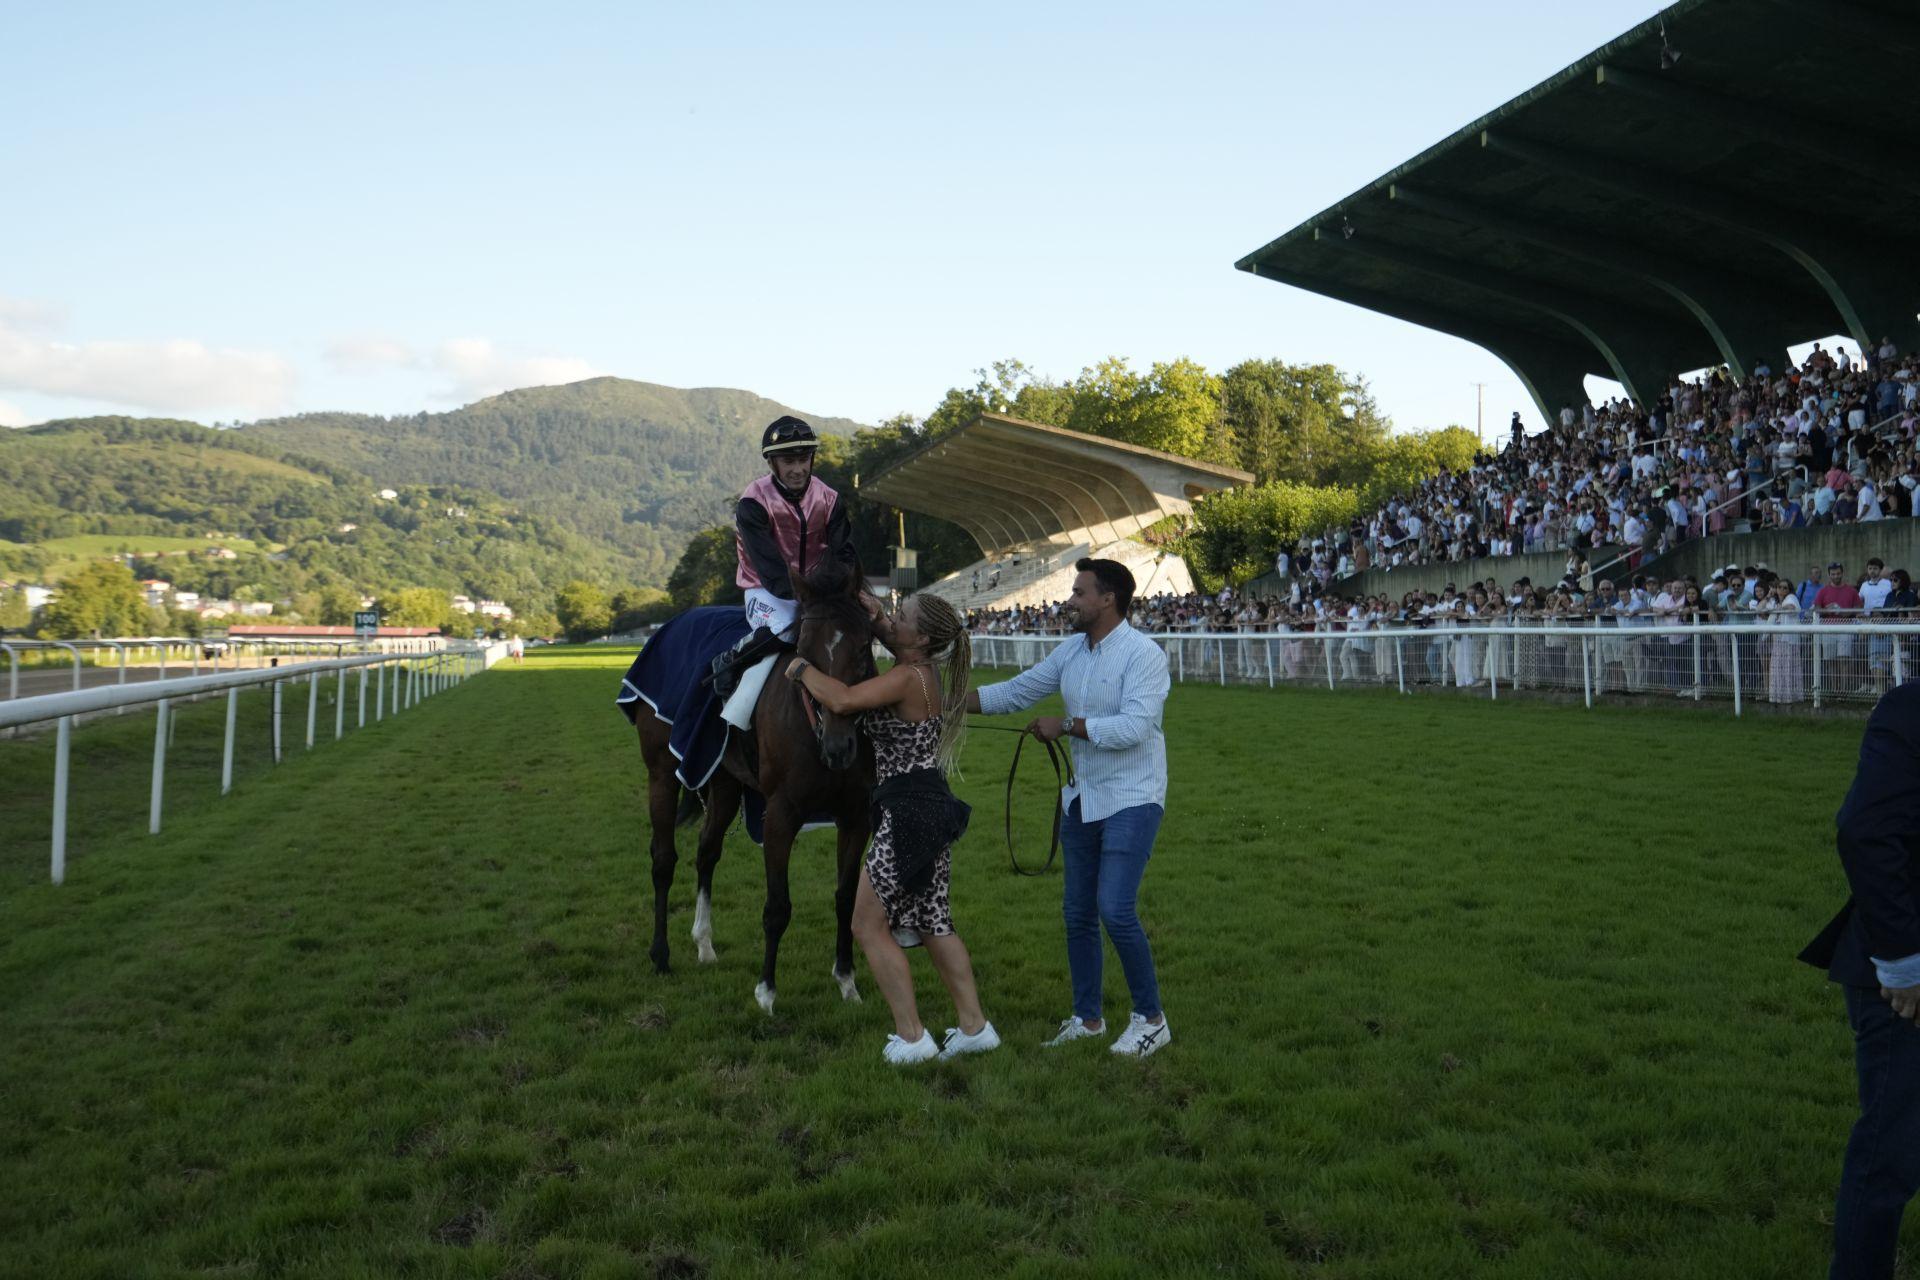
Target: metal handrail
418 675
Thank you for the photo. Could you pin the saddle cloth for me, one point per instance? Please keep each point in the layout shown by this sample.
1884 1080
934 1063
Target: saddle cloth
669 679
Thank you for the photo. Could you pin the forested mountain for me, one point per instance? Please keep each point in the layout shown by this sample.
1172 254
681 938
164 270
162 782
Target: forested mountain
632 466
294 523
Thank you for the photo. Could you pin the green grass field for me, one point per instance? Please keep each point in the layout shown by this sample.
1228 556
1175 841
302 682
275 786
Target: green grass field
1459 989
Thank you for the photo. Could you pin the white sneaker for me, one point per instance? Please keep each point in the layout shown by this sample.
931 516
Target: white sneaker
907 938
1142 1037
1073 1028
959 1042
901 1053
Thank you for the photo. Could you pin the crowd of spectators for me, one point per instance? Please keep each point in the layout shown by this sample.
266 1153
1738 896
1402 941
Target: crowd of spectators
1776 666
1831 441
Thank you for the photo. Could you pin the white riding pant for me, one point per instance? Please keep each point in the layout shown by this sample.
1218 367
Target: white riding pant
764 609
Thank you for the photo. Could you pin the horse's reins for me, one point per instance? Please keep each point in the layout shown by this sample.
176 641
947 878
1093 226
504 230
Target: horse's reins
1061 777
807 701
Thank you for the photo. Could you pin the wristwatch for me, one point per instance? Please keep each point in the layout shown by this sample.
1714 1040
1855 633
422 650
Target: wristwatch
1073 721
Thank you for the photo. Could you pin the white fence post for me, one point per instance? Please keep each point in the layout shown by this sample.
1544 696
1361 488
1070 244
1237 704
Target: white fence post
340 707
1817 645
313 705
160 722
276 722
1736 672
62 757
226 752
1326 650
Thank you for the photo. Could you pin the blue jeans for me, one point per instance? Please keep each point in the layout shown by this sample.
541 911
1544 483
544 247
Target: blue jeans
1882 1168
1102 863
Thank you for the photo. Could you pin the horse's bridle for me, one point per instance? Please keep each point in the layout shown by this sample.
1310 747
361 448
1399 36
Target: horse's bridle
815 719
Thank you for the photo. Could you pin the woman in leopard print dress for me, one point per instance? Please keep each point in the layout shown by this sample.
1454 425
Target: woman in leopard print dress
913 732
899 746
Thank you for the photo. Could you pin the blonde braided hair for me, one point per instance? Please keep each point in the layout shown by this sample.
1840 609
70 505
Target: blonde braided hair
950 648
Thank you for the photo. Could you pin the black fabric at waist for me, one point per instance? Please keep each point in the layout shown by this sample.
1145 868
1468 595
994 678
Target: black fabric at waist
927 818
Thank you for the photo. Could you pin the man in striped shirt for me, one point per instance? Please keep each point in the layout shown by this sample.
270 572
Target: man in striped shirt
1114 682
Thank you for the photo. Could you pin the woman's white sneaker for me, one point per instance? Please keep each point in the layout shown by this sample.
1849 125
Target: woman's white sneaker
959 1042
901 1053
1072 1029
1142 1037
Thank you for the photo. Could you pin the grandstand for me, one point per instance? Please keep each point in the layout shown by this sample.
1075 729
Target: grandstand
1036 498
1718 183
1708 190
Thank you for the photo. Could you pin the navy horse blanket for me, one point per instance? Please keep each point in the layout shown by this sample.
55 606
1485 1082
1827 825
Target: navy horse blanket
669 677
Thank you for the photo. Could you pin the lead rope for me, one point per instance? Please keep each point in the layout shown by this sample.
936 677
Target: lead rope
1062 778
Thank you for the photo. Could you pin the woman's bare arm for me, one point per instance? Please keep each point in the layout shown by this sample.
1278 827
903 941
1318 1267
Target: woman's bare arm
884 690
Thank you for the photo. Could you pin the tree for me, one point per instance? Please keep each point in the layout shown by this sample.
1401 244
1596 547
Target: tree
1240 530
1174 407
416 607
1311 424
338 604
635 607
102 599
535 622
14 614
1399 463
705 572
584 610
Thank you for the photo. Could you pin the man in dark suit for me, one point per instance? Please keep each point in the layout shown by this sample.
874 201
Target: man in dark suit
1872 948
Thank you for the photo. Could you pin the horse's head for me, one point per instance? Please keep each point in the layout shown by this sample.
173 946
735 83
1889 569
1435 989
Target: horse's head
836 635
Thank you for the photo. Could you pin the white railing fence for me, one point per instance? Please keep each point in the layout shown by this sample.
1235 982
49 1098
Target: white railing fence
158 652
400 681
1794 664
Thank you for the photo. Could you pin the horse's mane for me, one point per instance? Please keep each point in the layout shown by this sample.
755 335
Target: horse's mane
826 592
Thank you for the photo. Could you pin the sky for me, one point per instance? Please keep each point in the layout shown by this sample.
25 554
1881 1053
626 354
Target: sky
224 212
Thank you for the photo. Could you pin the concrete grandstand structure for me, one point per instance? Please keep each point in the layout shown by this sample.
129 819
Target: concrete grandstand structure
1716 184
1035 498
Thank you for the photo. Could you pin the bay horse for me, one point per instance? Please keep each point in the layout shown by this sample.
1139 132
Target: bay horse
805 761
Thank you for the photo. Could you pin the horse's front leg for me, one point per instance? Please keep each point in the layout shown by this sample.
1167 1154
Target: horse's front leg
781 827
853 846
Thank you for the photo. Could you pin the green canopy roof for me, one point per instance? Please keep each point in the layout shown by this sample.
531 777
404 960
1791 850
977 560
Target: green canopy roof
1640 214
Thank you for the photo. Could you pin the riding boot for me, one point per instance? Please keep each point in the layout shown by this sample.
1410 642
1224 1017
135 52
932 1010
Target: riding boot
731 665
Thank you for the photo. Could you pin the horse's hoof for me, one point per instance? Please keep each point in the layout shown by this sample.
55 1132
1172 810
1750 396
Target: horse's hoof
763 996
707 954
848 989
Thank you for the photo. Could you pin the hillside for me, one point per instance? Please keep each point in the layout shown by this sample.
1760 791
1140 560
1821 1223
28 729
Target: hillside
176 493
632 466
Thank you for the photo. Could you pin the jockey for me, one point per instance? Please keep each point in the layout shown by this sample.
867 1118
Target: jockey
786 524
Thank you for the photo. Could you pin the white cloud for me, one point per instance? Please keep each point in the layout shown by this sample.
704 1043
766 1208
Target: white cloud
11 416
30 316
176 376
367 353
478 369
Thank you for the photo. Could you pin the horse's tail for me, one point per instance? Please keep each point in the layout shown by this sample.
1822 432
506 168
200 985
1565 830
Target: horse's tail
691 807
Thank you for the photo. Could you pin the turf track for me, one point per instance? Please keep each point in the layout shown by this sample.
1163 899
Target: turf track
1459 989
